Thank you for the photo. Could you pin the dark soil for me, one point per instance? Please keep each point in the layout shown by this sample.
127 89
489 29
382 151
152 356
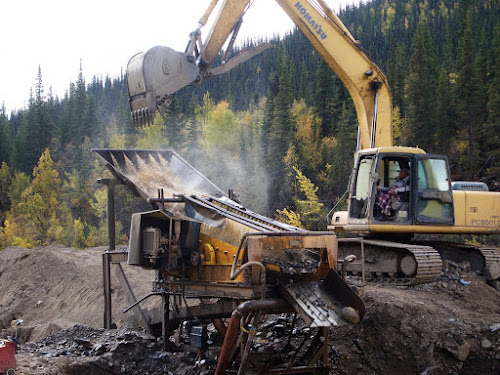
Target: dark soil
439 328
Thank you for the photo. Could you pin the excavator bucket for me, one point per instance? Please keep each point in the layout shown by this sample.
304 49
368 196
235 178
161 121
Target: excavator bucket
153 77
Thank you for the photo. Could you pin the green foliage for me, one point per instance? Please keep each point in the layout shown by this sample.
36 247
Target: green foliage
326 98
279 133
307 136
220 130
152 137
5 181
490 133
5 138
421 104
18 184
245 130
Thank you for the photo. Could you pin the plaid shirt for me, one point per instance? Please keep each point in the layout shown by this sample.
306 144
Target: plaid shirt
384 202
384 198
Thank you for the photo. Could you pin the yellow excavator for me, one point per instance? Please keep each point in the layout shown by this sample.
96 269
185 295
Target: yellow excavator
432 204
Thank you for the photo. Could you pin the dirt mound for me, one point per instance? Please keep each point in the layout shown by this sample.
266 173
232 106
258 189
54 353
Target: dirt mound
438 328
53 288
433 329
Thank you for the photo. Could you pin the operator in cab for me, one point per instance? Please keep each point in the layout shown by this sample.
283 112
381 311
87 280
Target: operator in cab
388 199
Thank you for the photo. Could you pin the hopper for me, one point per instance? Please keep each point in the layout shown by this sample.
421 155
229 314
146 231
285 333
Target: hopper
148 171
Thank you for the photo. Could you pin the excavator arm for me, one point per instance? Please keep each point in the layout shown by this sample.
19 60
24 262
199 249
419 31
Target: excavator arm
365 82
153 77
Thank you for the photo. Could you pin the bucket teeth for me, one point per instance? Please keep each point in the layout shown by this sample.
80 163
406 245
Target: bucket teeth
142 117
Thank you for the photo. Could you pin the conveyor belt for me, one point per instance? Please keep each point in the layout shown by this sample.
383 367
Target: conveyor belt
227 208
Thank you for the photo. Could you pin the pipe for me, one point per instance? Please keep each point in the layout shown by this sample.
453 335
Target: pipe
375 85
142 299
348 259
165 200
248 345
276 305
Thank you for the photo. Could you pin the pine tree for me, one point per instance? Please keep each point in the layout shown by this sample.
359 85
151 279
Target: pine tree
79 124
468 102
397 70
268 118
5 138
420 89
43 126
281 133
5 181
446 102
481 74
325 99
345 146
490 133
25 153
304 85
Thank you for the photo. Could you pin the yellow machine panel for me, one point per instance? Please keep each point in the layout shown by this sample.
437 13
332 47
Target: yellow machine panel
478 211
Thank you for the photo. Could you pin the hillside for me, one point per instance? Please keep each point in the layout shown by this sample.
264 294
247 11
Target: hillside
433 329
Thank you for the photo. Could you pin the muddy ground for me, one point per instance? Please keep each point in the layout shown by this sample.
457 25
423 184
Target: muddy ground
439 328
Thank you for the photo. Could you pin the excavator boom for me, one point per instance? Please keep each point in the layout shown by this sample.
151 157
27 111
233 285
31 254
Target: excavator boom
153 77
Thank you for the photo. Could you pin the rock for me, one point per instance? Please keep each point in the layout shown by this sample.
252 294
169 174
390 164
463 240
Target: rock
83 342
351 315
460 352
99 349
463 352
492 272
429 370
279 328
495 327
495 284
486 344
463 282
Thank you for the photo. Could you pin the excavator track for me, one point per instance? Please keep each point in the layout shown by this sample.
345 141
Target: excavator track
391 262
478 257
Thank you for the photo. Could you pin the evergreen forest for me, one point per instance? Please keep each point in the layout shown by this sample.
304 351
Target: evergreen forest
280 129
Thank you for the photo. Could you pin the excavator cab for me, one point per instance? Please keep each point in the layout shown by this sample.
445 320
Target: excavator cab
427 200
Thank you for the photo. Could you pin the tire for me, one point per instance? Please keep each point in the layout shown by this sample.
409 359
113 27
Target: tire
10 371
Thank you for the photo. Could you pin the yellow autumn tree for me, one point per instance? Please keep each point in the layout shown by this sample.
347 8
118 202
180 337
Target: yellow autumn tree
40 202
309 206
153 136
289 217
307 136
17 228
220 131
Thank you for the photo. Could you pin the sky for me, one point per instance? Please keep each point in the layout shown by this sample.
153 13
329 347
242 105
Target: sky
103 35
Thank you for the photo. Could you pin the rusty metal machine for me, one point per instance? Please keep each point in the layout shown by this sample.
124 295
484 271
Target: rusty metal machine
206 247
433 204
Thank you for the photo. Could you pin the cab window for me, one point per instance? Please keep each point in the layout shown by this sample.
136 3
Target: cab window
434 197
